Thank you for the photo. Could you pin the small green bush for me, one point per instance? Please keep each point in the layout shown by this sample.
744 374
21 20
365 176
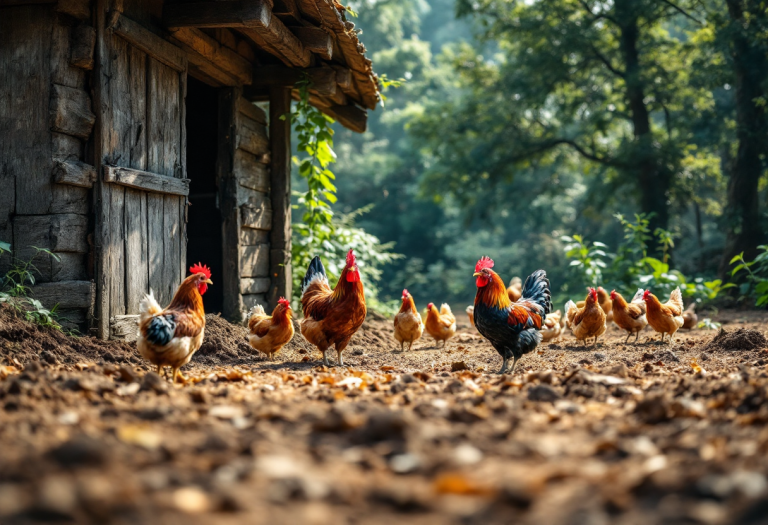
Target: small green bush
631 267
16 284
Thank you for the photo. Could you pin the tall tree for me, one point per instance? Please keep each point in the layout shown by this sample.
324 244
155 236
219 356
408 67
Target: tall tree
604 80
741 34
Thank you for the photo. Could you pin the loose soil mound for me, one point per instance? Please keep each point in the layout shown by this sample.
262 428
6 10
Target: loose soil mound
27 341
741 339
224 344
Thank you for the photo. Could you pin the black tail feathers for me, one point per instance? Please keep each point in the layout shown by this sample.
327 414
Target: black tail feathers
315 267
536 289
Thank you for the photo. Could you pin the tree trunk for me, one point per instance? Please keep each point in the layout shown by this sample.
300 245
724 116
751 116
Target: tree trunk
742 214
653 181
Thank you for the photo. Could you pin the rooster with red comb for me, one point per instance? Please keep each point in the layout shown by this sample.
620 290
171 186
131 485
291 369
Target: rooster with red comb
332 316
513 328
171 336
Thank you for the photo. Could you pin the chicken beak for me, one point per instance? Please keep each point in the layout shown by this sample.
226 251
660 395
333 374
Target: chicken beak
208 281
476 274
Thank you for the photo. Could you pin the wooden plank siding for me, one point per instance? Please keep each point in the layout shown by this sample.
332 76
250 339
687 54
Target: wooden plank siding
244 186
143 188
45 116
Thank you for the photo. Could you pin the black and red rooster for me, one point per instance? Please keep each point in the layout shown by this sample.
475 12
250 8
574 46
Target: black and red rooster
512 328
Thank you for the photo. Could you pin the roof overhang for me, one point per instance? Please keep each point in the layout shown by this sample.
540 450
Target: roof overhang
309 37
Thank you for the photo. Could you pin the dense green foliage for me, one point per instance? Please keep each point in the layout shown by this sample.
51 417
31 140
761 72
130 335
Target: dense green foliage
522 122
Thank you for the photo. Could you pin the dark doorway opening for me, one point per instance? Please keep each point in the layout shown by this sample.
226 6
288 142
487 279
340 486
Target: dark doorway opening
204 226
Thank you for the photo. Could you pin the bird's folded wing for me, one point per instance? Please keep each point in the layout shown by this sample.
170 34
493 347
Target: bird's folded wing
188 325
519 314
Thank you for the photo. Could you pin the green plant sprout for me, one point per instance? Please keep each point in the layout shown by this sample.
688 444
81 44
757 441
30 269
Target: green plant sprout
16 285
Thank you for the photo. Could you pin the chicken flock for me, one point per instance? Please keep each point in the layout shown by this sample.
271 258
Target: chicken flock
514 319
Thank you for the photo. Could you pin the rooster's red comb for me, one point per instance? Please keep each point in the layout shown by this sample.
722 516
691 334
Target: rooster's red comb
284 302
405 293
200 268
483 263
351 260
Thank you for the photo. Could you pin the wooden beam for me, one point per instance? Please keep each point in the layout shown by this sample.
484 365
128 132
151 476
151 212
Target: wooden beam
323 78
74 173
219 56
257 212
124 328
250 172
250 285
280 192
71 111
226 181
143 180
79 9
252 137
255 261
101 192
83 41
316 40
287 10
280 42
238 13
251 111
343 77
350 116
67 294
150 43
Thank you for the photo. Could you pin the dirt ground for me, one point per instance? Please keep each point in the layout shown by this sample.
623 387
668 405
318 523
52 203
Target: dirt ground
619 433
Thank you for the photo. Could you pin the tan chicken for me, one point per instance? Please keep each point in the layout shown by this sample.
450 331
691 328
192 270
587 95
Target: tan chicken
515 290
604 300
270 332
552 326
690 319
440 325
471 314
588 321
665 318
408 324
629 316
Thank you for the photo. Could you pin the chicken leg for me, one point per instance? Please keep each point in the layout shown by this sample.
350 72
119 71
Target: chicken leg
504 365
341 359
177 372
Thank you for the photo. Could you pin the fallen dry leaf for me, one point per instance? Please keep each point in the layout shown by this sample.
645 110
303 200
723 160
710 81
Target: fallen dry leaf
454 483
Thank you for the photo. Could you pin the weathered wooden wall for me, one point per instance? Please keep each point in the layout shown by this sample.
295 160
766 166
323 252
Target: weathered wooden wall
244 185
46 118
141 199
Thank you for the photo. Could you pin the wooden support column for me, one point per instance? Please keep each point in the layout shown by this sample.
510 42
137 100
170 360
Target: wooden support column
101 75
230 213
280 192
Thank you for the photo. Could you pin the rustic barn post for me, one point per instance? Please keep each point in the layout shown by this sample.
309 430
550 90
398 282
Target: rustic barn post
280 192
101 75
230 212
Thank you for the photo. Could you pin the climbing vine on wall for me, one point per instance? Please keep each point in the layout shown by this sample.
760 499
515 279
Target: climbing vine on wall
320 232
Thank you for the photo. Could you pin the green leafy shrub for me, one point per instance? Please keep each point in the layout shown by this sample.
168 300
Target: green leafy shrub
588 258
756 284
16 284
631 267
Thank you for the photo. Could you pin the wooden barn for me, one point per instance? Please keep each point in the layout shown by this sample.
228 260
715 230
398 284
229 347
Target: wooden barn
137 136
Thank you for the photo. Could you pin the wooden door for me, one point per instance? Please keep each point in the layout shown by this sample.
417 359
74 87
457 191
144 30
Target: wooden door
142 194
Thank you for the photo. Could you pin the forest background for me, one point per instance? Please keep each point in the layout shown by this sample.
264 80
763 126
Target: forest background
520 124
